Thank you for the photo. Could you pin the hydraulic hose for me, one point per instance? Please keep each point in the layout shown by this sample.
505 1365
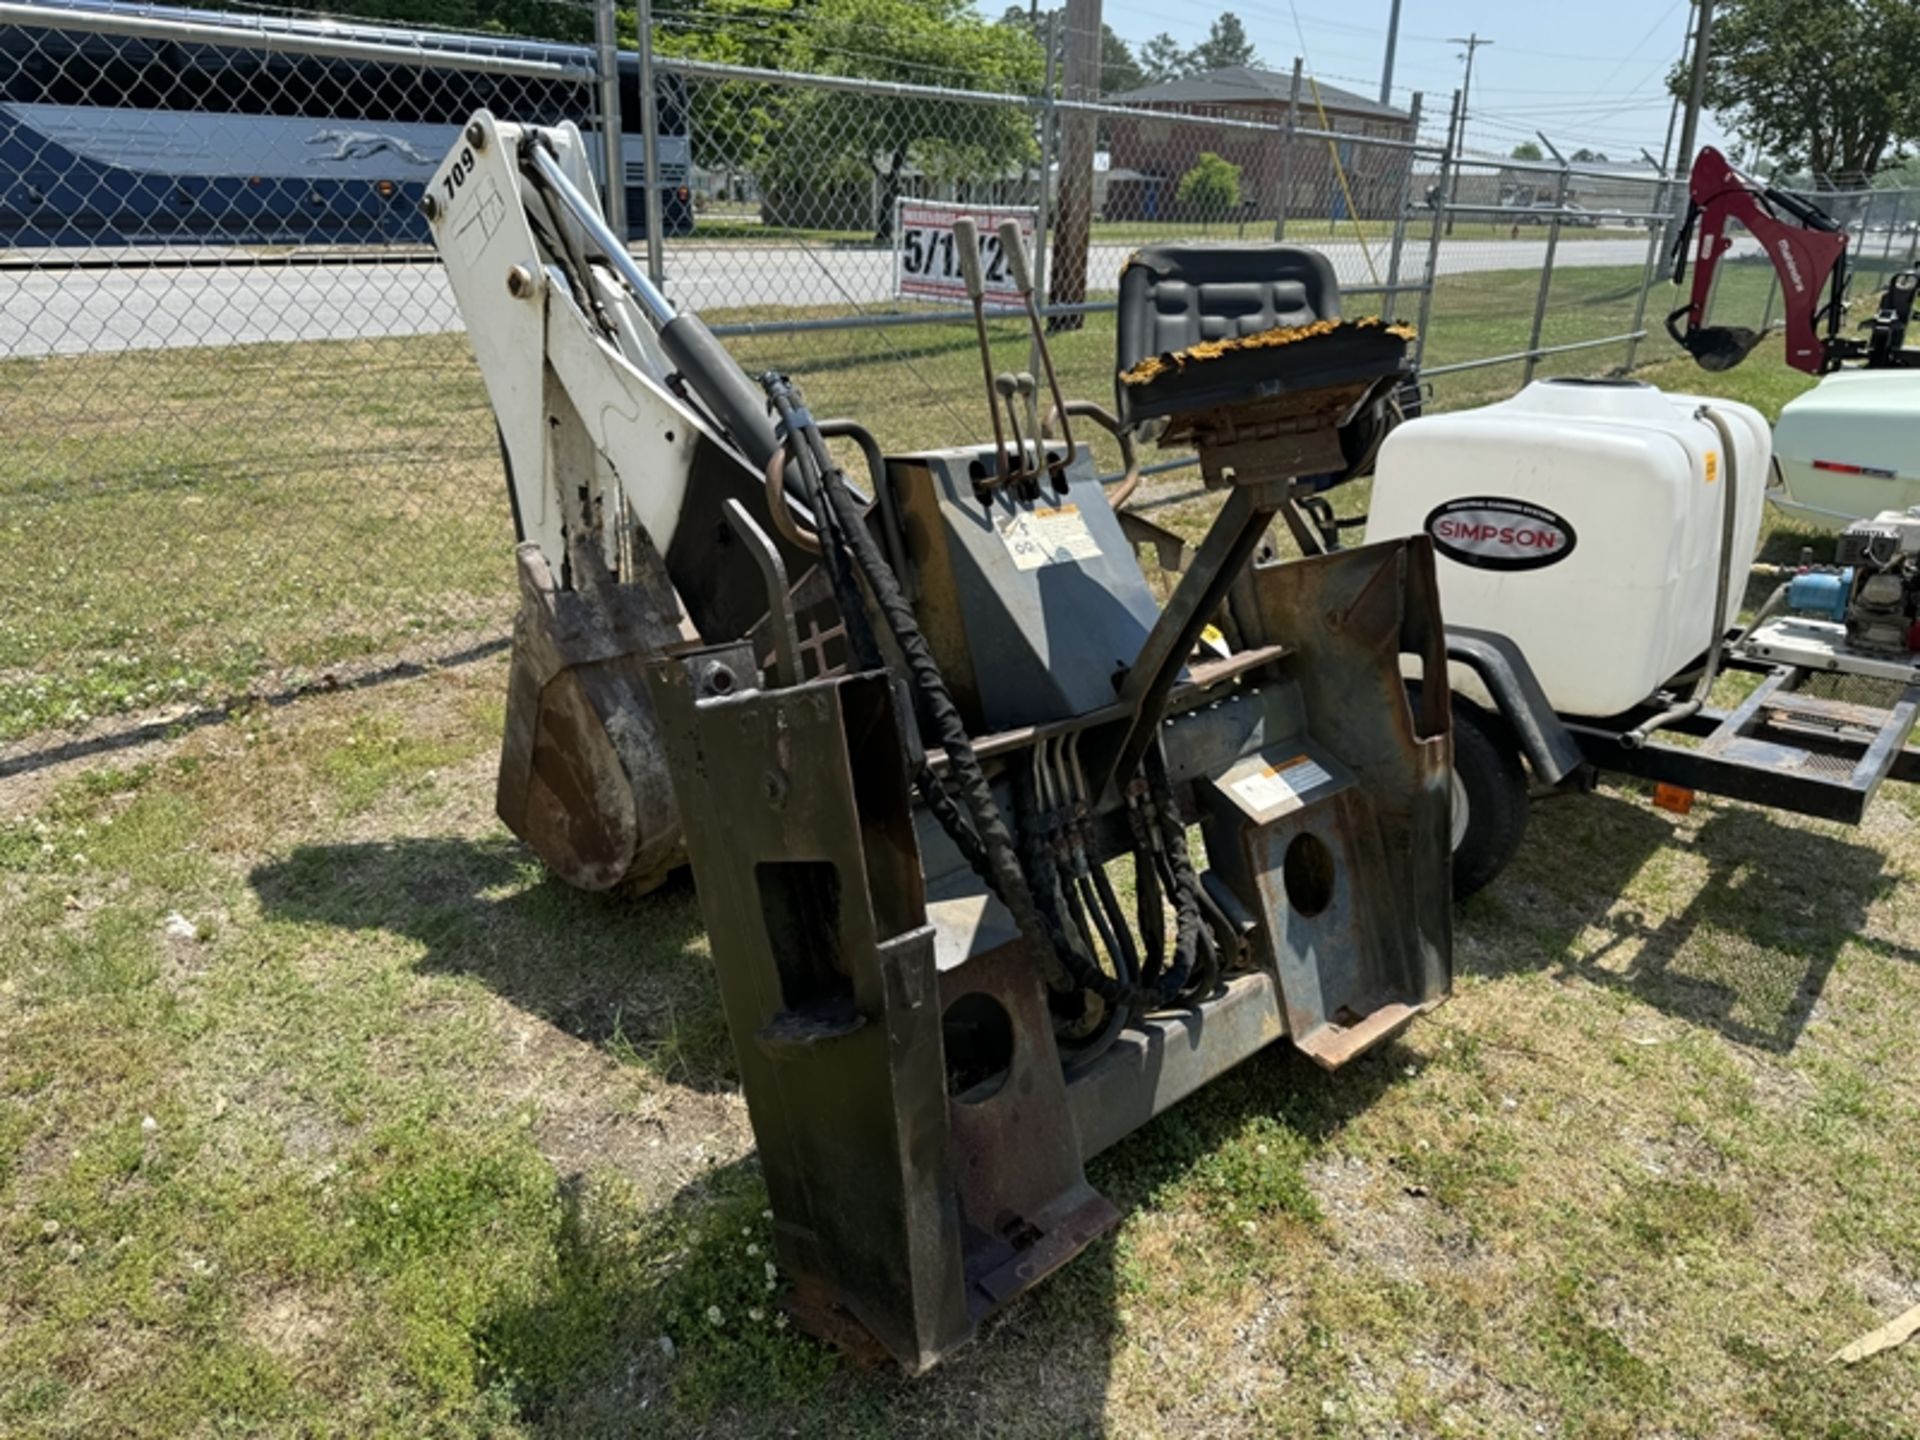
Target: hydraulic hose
1637 737
1052 912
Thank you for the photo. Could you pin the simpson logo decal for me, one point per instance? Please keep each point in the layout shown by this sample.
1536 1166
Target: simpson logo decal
1489 533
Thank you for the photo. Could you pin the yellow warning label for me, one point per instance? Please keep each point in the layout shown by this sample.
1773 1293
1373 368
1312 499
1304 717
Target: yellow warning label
1046 535
1283 786
1713 466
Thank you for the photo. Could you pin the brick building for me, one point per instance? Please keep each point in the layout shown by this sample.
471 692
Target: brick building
1158 150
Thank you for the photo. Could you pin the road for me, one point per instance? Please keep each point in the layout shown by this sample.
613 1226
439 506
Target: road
56 310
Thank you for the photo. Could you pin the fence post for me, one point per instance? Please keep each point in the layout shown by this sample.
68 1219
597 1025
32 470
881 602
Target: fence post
613 159
1546 274
1650 269
1404 200
650 146
1286 156
1043 210
1442 189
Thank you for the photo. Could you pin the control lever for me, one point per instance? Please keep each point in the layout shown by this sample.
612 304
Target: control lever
1015 251
966 240
1030 392
1007 387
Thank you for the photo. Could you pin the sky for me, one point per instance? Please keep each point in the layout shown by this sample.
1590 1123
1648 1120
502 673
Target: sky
1588 74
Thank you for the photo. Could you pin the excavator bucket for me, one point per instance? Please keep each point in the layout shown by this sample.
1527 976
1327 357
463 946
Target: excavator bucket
582 778
1721 347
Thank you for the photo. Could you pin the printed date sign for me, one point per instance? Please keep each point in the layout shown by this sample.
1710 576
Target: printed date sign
926 264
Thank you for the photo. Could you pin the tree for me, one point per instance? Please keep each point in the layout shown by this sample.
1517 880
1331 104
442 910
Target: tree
1119 71
828 142
1824 84
1584 156
1527 150
1162 59
1211 189
1226 45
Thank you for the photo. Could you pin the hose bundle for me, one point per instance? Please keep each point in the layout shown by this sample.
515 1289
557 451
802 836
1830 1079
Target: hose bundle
1059 895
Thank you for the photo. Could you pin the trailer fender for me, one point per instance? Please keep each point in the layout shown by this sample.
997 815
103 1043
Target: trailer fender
1549 747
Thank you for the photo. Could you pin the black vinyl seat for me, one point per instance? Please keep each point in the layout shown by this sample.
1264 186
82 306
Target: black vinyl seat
1185 306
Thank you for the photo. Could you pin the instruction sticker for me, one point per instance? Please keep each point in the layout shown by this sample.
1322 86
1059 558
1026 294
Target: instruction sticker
1046 536
1281 787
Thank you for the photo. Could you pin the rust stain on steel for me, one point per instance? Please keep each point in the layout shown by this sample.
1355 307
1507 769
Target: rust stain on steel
1174 361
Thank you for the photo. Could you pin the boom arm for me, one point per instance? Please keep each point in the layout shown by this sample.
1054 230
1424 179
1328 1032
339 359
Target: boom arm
1808 251
616 411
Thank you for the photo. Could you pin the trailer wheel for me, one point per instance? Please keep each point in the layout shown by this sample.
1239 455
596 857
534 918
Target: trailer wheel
1489 798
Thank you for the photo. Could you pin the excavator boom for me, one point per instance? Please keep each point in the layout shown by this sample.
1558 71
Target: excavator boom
1807 248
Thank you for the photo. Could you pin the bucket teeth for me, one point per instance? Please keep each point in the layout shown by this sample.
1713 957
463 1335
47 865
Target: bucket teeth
583 780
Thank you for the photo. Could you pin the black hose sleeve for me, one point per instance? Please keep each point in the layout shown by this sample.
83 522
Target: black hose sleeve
1002 866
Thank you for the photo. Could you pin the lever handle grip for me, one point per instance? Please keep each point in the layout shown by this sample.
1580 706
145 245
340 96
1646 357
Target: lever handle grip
966 241
1015 249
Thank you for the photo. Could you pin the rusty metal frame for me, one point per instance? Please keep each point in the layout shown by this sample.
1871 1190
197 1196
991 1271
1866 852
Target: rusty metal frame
915 1191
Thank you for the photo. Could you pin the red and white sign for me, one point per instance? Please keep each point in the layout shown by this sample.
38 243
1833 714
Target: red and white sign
1493 533
927 267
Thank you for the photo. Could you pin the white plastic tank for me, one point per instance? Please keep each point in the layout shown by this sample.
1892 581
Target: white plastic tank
1850 448
1582 519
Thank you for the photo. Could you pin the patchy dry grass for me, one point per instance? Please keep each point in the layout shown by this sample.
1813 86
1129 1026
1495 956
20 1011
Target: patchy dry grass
412 1140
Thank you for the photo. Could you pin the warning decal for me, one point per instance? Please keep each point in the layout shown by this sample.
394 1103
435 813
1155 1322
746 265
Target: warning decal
1046 536
1281 787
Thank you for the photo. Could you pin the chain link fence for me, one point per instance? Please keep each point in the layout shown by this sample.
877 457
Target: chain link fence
1541 268
248 446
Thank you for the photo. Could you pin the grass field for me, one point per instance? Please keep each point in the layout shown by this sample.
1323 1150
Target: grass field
387 1133
209 520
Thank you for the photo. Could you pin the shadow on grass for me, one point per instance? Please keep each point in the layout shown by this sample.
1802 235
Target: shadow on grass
629 975
1607 889
670 1328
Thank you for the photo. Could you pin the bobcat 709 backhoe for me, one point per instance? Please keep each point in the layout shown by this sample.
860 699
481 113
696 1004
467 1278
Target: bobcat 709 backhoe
936 753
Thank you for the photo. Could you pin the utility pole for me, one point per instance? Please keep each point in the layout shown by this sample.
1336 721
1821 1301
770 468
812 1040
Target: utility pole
1690 122
1697 87
1393 44
1079 80
1473 42
1457 142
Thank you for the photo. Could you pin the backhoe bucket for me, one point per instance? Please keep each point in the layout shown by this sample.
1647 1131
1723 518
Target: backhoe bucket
1721 347
582 778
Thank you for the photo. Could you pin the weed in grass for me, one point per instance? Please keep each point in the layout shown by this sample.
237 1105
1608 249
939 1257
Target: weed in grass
1662 1216
1604 1387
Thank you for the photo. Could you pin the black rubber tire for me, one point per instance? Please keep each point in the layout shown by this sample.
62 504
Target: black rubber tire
1486 760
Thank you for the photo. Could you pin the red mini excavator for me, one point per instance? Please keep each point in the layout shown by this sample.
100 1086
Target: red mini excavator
1808 250
1844 451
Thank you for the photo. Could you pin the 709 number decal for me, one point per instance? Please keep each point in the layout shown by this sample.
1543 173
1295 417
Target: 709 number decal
458 171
